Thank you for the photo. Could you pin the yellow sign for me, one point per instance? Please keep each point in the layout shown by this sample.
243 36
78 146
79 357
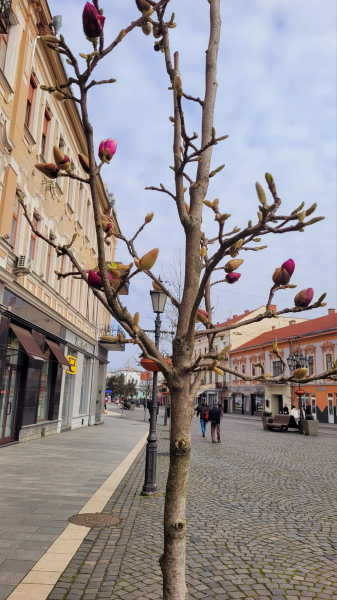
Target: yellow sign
73 364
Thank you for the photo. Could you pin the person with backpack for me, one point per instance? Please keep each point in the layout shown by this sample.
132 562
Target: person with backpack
204 416
215 415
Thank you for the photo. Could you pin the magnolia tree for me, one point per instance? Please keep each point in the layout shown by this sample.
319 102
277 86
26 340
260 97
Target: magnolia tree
203 256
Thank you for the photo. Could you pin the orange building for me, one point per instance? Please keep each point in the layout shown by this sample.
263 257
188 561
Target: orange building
314 338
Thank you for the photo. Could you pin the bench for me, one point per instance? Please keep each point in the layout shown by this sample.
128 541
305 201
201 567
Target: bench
282 423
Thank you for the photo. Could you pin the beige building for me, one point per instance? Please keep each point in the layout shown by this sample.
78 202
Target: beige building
216 388
43 318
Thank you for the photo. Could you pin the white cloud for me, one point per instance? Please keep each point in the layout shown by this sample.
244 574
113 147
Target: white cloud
276 100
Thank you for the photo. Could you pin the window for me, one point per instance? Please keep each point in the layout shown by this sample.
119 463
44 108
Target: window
88 304
311 365
32 245
85 386
48 263
61 271
210 377
14 228
87 220
235 367
328 361
238 402
46 120
216 377
3 50
80 204
71 290
277 368
243 368
253 370
31 90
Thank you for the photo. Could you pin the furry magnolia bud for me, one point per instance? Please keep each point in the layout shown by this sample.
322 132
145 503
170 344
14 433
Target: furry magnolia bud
269 178
261 193
300 373
203 251
149 217
208 203
147 28
148 260
281 276
232 265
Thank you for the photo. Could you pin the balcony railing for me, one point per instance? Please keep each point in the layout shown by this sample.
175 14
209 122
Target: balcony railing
5 12
111 331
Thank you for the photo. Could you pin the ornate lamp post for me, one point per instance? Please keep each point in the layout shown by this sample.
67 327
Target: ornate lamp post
297 360
150 484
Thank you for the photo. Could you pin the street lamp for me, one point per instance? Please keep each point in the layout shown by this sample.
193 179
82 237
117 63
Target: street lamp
297 360
150 484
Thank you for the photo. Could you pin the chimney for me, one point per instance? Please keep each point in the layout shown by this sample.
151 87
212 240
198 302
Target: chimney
247 312
292 323
234 316
273 307
331 311
273 327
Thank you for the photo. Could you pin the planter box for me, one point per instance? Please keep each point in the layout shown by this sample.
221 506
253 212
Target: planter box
132 406
310 427
266 420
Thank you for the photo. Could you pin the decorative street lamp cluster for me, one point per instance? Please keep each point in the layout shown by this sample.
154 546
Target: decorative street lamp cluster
297 360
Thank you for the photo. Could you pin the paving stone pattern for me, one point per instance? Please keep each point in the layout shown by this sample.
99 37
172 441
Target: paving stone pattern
44 482
261 523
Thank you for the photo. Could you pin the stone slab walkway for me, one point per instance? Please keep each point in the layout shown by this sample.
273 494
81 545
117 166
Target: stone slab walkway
261 523
44 482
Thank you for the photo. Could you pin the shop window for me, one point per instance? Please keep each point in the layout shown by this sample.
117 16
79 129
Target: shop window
85 386
32 245
259 401
31 92
44 393
237 402
68 393
313 403
330 404
15 219
46 121
277 368
311 365
328 361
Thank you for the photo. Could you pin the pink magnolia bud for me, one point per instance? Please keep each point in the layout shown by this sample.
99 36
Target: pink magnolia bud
232 277
94 280
93 22
110 145
289 266
202 316
281 276
304 297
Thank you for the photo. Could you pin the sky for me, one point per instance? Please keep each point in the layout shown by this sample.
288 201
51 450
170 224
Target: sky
276 101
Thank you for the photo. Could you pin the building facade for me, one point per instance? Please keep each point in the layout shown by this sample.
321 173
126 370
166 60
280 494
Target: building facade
215 388
314 338
141 379
44 319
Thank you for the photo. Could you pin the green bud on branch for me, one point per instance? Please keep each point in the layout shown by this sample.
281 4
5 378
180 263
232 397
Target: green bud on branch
261 193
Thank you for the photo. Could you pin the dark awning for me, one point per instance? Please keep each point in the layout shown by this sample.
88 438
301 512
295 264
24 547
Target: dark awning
26 339
56 350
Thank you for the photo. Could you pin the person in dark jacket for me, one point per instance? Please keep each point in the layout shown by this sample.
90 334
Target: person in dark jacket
215 417
285 410
201 410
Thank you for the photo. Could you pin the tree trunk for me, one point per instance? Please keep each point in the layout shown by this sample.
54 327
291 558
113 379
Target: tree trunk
173 559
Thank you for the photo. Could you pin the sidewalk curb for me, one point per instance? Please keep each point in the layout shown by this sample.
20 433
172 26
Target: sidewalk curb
40 581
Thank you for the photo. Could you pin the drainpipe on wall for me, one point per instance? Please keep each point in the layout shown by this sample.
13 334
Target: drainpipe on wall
93 369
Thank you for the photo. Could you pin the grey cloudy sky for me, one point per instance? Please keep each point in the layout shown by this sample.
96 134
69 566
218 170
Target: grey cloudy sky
276 100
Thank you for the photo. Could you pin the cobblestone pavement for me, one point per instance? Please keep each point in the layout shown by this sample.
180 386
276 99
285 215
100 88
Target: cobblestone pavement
45 481
261 523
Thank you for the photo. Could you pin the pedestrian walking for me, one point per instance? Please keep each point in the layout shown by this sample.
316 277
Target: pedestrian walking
215 417
204 416
285 410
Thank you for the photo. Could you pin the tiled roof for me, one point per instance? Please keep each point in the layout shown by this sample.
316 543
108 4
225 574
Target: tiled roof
235 319
329 322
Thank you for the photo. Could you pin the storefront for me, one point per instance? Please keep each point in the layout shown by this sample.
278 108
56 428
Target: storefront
31 377
247 400
51 380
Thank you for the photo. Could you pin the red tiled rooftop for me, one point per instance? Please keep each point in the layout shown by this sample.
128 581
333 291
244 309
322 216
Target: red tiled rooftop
329 322
236 318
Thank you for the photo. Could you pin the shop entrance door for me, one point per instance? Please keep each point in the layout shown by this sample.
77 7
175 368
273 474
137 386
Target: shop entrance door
330 409
9 403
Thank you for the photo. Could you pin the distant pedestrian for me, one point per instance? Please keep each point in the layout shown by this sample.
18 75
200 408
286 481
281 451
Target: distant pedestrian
204 416
285 410
295 413
307 409
215 417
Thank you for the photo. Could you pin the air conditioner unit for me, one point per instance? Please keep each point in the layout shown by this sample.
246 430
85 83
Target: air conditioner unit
24 264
